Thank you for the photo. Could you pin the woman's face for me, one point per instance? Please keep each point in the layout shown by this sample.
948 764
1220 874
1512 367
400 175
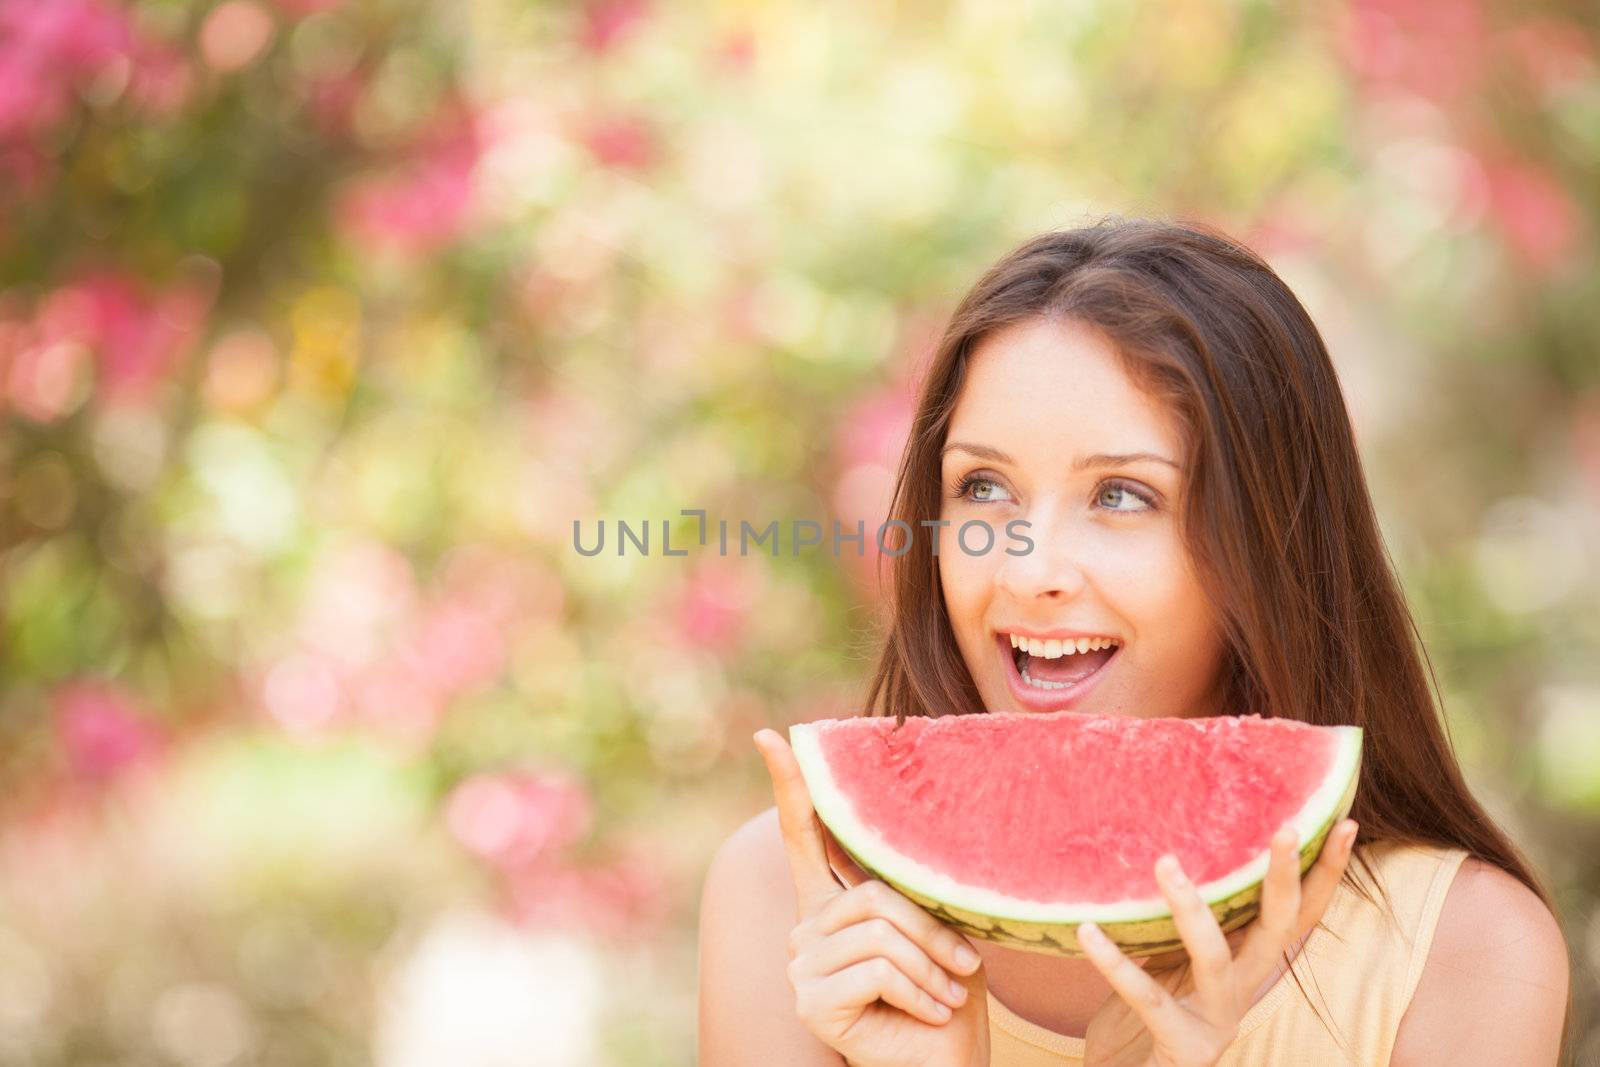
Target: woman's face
1044 408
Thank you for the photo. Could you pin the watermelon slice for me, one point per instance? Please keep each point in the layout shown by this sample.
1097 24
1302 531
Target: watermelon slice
1016 827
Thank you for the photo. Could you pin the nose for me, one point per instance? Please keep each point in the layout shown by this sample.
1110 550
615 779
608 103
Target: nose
1050 570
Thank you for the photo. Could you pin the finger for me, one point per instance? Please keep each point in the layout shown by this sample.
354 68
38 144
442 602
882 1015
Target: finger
814 884
880 937
1279 920
1309 895
1317 887
1278 923
1210 958
1164 1017
879 899
859 984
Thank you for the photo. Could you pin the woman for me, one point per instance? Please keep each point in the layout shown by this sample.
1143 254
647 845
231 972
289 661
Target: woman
1158 407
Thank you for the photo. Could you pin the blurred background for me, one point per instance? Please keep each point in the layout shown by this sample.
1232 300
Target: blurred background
322 320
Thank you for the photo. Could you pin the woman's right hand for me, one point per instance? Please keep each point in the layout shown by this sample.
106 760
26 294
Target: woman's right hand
876 978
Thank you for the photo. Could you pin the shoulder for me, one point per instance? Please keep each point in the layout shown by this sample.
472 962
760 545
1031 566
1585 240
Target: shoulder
749 870
1494 988
747 909
748 878
757 840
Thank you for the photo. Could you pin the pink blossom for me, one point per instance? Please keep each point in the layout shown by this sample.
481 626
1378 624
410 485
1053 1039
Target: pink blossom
105 326
623 897
1536 214
162 81
424 202
714 606
1284 227
44 381
131 339
876 427
516 818
507 589
1436 49
607 22
305 693
311 694
549 896
455 647
137 339
358 595
331 99
867 447
361 601
101 729
46 50
739 315
736 51
461 642
234 34
632 893
624 142
377 651
397 705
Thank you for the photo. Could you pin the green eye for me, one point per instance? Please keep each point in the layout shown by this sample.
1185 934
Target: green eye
978 489
1127 489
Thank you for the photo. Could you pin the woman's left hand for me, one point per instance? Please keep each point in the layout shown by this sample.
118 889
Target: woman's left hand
1189 1015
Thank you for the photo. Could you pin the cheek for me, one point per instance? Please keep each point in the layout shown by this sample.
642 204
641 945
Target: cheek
967 582
1154 587
1184 619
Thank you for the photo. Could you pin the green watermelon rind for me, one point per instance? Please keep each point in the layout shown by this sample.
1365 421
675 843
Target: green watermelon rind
1139 927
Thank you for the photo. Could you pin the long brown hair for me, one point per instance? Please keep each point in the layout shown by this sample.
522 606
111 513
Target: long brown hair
1277 516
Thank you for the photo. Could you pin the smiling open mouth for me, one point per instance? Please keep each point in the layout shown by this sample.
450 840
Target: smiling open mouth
1056 665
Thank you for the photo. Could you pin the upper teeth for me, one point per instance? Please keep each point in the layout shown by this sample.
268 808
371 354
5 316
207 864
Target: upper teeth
1054 649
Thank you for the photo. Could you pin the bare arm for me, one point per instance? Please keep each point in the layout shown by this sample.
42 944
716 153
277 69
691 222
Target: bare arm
747 908
1494 989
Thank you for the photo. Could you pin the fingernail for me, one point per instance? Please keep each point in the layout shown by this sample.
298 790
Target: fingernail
958 992
1091 936
1175 872
966 959
941 1010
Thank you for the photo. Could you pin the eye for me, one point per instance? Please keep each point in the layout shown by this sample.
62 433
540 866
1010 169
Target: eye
1118 488
978 489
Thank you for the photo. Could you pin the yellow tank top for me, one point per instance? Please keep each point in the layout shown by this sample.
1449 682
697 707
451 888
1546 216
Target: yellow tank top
1358 966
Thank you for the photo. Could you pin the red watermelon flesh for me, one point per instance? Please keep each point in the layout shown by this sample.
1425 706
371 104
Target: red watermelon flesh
1066 807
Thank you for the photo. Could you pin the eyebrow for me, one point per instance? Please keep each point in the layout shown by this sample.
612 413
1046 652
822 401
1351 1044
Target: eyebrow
1098 459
